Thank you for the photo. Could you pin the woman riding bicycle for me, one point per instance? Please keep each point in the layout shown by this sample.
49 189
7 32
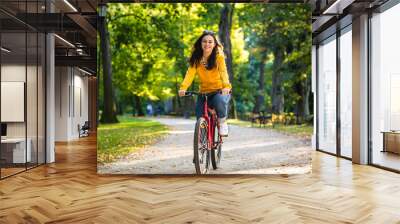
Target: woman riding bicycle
208 61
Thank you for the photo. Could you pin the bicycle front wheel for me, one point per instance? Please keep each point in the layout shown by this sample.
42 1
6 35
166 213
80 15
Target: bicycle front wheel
216 152
200 147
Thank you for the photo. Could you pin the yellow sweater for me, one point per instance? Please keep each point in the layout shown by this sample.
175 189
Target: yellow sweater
210 80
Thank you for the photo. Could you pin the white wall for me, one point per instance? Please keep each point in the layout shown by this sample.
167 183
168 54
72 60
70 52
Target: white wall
62 81
81 103
71 94
13 72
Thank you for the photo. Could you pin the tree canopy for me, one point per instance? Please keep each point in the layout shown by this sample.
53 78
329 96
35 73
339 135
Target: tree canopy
271 53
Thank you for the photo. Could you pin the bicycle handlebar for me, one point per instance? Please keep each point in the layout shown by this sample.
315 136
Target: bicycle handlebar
191 93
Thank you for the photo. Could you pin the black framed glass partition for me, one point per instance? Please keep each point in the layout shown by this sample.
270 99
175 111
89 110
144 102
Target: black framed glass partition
32 96
372 67
326 59
334 91
13 145
13 87
345 60
22 88
385 88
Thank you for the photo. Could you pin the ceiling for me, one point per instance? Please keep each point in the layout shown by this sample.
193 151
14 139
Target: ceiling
327 13
74 22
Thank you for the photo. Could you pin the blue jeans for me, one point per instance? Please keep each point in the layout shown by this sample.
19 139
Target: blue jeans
217 101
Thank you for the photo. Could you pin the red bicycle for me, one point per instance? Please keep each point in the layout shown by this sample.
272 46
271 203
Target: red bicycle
207 144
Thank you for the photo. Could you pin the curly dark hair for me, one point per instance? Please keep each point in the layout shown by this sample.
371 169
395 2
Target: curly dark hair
197 52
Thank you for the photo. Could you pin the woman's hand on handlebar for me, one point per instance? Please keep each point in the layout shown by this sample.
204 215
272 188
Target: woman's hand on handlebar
225 91
182 92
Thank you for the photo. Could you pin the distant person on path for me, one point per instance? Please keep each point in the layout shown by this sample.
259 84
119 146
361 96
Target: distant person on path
149 110
208 62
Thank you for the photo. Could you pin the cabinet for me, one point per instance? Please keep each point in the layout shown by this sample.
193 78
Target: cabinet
391 141
13 150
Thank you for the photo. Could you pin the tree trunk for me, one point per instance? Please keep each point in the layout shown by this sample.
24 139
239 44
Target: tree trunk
178 100
224 34
138 106
261 86
120 108
134 111
260 90
108 115
277 89
175 106
306 97
184 103
299 110
303 88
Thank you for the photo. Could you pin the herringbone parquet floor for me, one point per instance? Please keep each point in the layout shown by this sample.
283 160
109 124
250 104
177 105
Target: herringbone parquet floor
70 191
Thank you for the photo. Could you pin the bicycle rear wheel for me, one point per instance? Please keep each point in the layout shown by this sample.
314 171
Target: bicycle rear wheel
200 147
216 152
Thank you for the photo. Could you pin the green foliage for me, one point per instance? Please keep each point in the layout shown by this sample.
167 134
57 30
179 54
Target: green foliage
142 45
151 43
274 27
118 140
300 130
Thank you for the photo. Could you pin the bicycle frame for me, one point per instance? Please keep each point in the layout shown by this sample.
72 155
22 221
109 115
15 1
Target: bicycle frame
211 121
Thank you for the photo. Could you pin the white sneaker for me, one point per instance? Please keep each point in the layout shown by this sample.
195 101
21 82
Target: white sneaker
223 127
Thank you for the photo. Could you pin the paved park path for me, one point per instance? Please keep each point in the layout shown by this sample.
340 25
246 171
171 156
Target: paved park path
245 151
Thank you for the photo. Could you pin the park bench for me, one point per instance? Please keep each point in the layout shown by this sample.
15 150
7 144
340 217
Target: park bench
261 118
84 129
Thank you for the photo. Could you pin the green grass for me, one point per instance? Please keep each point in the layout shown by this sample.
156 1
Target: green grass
301 130
130 134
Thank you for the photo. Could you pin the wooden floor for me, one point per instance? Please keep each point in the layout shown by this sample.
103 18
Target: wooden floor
70 191
5 172
387 159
